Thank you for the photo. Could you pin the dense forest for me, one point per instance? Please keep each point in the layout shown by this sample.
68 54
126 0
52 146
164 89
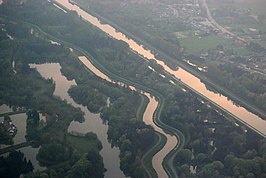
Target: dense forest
215 144
14 164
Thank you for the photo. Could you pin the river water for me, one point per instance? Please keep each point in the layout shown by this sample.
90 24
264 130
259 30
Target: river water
242 114
171 141
92 123
157 160
19 120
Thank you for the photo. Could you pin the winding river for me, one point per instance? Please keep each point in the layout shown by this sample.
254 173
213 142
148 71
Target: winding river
92 123
243 115
157 160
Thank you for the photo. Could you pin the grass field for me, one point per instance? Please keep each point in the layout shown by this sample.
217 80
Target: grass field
81 144
262 43
257 6
194 44
251 8
246 26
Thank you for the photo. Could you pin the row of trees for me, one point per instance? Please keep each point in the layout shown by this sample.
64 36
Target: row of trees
14 164
251 87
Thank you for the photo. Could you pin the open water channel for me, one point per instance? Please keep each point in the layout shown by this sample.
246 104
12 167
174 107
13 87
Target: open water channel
250 119
157 160
92 123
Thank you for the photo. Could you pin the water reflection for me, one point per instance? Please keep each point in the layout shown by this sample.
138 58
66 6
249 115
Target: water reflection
171 141
92 123
250 119
20 121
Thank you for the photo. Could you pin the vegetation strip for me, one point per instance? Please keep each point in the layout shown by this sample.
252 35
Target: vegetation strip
224 110
205 137
158 96
142 106
13 113
184 66
146 159
15 147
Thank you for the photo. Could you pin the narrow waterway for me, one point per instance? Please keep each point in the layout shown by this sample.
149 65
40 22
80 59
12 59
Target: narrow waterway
157 160
92 123
245 116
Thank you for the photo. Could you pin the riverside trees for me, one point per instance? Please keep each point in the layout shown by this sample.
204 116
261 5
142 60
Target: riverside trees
206 130
14 164
26 88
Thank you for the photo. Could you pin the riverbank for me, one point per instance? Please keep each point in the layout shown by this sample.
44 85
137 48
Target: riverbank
178 101
99 66
183 65
246 116
146 159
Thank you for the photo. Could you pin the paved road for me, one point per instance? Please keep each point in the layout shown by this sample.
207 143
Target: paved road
218 26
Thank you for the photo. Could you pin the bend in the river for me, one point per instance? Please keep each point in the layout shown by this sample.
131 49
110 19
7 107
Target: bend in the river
253 121
151 116
152 112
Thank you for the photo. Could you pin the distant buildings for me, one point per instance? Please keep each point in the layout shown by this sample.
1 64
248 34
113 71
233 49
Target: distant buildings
10 128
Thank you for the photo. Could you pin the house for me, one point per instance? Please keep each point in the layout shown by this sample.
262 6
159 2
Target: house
9 127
